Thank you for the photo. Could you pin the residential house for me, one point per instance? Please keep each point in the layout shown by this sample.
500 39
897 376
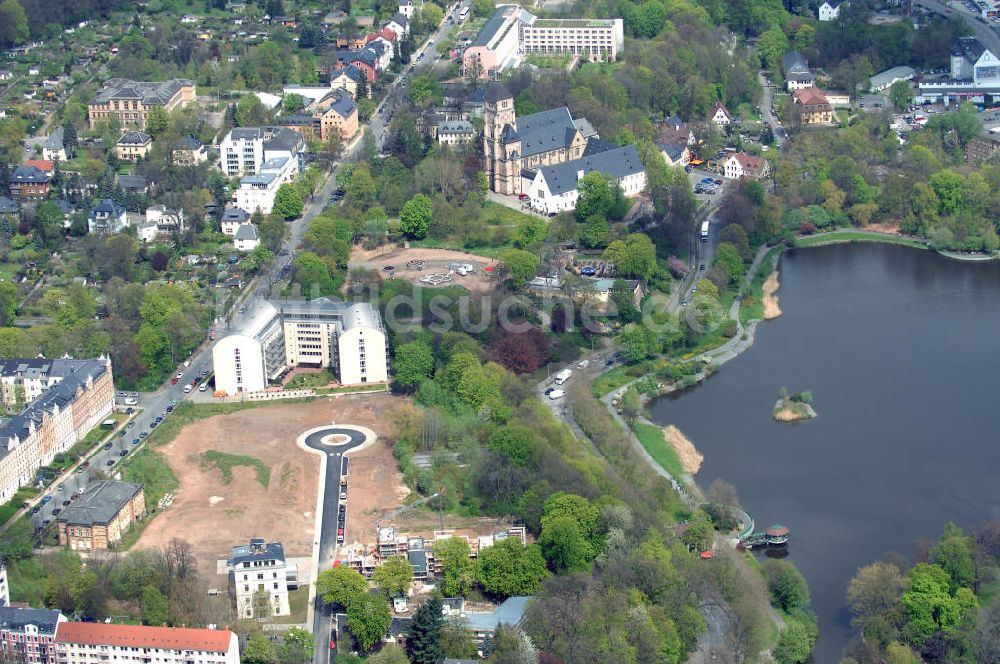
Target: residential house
232 218
101 516
455 132
383 51
28 635
797 73
46 166
258 579
257 192
6 74
554 188
407 8
347 79
107 218
675 139
741 165
9 208
29 183
399 24
68 210
76 643
161 221
720 115
306 125
812 106
53 148
4 590
133 145
341 116
247 237
136 183
829 10
129 102
189 151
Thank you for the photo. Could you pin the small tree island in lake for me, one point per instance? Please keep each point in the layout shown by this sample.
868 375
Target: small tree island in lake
793 408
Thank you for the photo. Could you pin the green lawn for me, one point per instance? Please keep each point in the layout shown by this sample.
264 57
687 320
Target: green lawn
752 306
855 236
12 506
150 468
225 463
317 379
651 438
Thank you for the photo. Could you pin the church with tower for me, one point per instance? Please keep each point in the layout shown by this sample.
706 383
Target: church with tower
514 147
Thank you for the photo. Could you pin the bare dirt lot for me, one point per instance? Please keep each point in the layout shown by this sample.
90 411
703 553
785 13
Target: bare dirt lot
435 261
214 516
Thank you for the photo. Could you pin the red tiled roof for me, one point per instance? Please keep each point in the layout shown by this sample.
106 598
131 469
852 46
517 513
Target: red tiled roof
715 109
168 638
44 165
810 97
748 162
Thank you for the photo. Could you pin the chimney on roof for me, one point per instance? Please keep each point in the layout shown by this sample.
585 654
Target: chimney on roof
257 545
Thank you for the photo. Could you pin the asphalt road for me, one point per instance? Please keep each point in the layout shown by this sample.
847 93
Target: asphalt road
336 467
986 34
766 103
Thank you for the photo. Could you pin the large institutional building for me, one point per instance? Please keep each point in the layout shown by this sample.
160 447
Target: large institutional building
284 334
258 579
511 32
545 154
129 102
101 516
90 642
57 403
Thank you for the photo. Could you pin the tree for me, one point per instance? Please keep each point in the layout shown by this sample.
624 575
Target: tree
634 256
634 343
292 103
155 608
288 202
297 647
786 584
393 577
930 607
250 112
259 650
159 261
457 641
414 361
631 406
564 546
512 646
273 232
523 265
9 299
157 121
901 94
14 28
794 643
368 618
595 232
515 441
596 195
391 654
521 352
727 256
340 585
415 217
954 557
509 568
457 567
423 641
532 231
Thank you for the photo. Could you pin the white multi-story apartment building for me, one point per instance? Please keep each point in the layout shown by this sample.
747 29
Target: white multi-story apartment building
325 332
257 192
90 642
245 150
57 403
258 579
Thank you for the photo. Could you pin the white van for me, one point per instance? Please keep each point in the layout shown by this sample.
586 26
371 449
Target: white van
187 388
563 376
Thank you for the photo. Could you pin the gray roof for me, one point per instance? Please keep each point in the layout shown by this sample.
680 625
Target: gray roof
352 72
491 27
344 104
15 620
454 127
257 549
548 130
616 163
597 146
100 503
794 61
8 206
246 133
108 207
132 181
968 47
297 120
154 93
235 214
282 138
587 129
30 174
889 75
400 18
189 143
509 613
263 178
247 232
134 138
360 314
65 206
418 560
365 55
54 140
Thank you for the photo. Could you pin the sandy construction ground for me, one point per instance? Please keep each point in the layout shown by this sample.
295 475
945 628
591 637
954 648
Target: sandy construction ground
214 516
435 261
770 300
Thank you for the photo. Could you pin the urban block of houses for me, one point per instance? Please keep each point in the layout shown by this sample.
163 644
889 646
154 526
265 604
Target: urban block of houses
829 10
247 238
101 516
455 132
28 635
78 642
797 73
133 145
53 148
511 32
57 403
129 102
595 291
741 165
161 222
321 333
28 182
675 139
189 151
258 579
719 115
813 106
107 218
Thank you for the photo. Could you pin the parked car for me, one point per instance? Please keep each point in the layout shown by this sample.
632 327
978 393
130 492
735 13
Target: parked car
56 511
343 495
108 446
556 394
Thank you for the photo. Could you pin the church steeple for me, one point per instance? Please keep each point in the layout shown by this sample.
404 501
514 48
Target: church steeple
501 149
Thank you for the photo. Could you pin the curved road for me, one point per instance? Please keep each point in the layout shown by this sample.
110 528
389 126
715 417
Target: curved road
336 467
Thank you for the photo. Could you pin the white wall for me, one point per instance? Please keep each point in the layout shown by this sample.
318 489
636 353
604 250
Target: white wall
249 377
350 356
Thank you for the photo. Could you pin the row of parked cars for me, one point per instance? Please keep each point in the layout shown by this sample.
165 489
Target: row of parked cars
707 186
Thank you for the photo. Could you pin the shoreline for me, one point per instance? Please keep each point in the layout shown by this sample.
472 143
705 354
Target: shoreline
770 299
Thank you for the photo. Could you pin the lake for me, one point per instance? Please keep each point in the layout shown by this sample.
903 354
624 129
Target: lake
900 349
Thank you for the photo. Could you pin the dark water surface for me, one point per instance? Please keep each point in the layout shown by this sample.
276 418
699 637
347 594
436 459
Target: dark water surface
901 349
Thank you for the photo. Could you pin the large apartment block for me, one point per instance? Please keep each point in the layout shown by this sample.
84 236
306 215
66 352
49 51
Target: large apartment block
245 150
92 643
57 403
129 102
258 579
28 635
512 32
284 334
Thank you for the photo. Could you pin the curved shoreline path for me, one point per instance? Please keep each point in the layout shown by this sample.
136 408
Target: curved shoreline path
332 443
